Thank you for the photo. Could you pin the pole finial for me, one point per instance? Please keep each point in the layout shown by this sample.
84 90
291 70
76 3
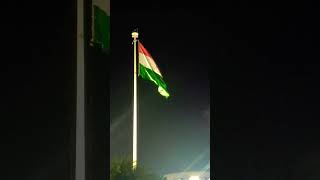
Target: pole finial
135 33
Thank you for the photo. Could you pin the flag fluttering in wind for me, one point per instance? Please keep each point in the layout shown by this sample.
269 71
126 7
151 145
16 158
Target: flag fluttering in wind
149 70
101 23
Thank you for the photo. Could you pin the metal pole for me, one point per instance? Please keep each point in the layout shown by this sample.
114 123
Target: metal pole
135 119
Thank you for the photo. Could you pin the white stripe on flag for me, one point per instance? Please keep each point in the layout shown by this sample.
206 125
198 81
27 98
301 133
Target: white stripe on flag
103 4
149 63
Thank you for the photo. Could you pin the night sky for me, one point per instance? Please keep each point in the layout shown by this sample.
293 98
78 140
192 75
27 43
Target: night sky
253 64
265 91
173 133
37 90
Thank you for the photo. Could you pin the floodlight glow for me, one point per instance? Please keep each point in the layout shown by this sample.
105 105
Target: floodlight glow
194 178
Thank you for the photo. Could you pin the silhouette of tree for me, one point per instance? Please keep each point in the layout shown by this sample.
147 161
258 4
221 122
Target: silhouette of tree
121 169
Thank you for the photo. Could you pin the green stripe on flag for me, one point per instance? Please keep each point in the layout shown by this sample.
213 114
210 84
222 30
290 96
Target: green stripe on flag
101 29
148 74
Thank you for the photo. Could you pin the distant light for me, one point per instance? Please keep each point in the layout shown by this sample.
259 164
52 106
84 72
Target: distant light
194 178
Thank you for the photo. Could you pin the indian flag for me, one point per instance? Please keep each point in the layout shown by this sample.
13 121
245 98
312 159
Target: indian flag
149 70
101 23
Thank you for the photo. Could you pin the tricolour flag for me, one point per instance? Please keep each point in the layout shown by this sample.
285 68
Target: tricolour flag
149 70
101 23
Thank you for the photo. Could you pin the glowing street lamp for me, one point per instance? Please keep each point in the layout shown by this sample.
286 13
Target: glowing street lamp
194 178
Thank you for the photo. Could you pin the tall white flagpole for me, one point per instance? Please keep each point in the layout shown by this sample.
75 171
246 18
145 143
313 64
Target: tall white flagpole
80 107
135 119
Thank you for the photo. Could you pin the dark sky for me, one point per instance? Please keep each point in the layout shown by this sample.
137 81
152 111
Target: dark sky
37 89
262 58
177 130
265 85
